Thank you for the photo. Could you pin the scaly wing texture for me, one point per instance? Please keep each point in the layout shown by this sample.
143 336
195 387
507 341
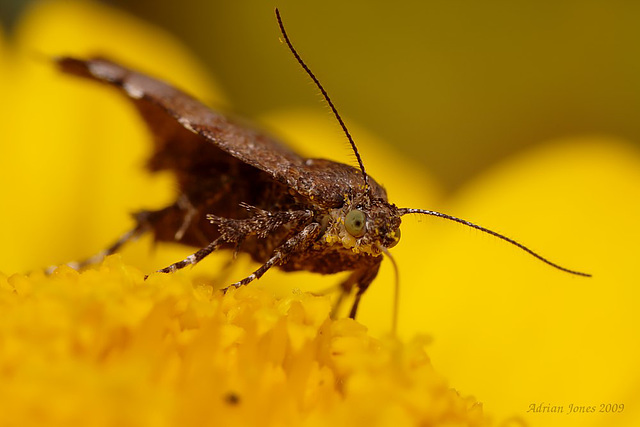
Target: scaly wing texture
169 112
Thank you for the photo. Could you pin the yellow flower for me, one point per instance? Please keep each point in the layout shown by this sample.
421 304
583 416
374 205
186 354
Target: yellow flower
103 347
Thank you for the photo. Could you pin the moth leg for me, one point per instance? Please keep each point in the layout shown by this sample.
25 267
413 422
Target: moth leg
345 288
141 227
190 212
298 242
361 278
192 259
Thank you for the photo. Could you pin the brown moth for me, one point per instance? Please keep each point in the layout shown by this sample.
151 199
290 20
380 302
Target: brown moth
240 189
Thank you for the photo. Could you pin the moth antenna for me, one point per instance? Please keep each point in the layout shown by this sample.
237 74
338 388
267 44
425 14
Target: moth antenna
326 97
405 211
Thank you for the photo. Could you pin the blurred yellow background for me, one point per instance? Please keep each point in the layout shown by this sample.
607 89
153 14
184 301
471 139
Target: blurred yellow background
520 118
458 85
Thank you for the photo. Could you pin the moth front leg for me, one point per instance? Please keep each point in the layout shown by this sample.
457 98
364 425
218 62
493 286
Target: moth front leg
298 243
236 230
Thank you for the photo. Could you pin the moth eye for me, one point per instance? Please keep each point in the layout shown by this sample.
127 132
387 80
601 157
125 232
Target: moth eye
396 238
354 222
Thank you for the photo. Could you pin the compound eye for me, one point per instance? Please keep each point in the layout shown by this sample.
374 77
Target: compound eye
354 222
396 238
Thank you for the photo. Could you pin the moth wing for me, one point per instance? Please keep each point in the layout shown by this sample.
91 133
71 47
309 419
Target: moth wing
166 108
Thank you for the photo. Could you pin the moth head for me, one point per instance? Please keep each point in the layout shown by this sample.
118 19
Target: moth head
365 227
